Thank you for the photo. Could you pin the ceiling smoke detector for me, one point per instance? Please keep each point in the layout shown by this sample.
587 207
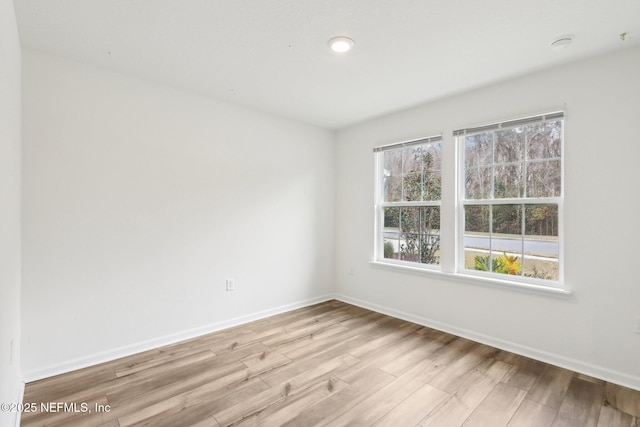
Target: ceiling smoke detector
341 44
561 42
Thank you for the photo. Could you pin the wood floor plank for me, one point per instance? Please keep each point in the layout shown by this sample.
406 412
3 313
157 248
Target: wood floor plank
373 346
378 404
399 365
611 417
284 411
368 319
623 399
222 380
497 408
296 331
67 384
214 382
274 327
308 340
456 371
140 382
414 408
359 329
525 374
250 407
296 385
454 410
193 406
551 386
320 372
456 347
167 374
581 405
331 364
358 390
498 370
383 355
532 414
298 366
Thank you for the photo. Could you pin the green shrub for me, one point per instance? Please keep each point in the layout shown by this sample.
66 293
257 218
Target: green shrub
504 264
388 249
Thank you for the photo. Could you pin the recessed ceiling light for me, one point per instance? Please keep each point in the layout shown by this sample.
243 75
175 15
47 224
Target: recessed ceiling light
340 44
561 42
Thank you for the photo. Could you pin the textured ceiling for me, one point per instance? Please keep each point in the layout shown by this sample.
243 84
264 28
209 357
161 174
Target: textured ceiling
272 54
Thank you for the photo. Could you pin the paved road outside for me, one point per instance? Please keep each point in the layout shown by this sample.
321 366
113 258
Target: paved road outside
540 247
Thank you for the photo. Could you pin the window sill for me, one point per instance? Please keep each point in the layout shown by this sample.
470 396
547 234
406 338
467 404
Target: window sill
476 280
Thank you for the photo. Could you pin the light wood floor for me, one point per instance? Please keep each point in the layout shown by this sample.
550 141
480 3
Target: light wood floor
331 364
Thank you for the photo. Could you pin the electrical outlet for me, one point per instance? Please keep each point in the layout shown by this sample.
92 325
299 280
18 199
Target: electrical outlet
637 330
231 285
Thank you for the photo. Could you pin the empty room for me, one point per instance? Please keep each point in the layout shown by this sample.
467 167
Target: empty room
319 213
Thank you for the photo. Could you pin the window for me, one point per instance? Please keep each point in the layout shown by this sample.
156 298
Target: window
408 202
510 199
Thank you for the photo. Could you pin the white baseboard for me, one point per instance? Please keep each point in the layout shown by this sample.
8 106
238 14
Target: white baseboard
129 350
595 371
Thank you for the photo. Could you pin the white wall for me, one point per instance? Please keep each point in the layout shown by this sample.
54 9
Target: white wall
10 378
591 331
140 200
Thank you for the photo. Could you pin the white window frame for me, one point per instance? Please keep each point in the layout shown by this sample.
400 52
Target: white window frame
462 202
380 204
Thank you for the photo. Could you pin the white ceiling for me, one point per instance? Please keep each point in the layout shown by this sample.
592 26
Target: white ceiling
272 54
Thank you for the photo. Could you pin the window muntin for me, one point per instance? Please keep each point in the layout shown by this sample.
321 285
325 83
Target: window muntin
408 202
511 198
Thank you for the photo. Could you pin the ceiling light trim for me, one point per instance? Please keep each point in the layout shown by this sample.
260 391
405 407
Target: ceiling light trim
341 44
561 42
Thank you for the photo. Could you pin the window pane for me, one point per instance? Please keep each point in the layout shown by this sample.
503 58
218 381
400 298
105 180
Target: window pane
509 146
412 173
476 219
543 179
478 183
391 233
391 245
544 141
429 235
392 174
412 159
432 185
541 245
432 156
476 234
392 219
431 178
392 162
392 188
477 159
418 237
506 239
412 187
410 228
507 219
477 149
508 181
